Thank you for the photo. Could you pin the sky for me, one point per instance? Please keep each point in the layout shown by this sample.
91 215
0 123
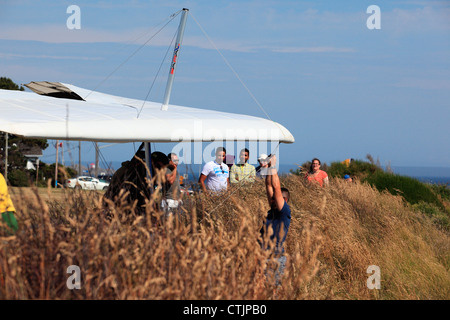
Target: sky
342 87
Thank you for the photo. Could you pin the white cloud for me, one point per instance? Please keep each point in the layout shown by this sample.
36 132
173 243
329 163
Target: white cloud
33 56
426 19
61 34
311 49
56 34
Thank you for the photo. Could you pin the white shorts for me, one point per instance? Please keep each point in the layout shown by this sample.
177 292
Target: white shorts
170 203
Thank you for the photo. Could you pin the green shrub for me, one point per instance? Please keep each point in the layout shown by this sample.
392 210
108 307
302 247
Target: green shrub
442 190
357 168
411 189
441 218
18 178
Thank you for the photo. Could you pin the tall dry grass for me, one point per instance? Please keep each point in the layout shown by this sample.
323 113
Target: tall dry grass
211 251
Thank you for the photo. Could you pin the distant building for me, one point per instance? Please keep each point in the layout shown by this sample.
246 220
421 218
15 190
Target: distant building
32 154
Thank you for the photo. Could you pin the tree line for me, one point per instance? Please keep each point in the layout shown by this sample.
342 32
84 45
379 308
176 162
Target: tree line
17 172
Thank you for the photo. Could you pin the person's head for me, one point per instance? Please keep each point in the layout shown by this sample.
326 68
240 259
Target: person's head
348 178
220 154
315 165
286 196
159 160
263 159
173 158
244 155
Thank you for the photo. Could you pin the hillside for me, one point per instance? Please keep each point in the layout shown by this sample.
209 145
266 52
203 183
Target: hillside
211 251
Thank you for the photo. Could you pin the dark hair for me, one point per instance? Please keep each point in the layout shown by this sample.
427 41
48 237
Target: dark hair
159 160
246 150
169 155
285 190
311 166
221 149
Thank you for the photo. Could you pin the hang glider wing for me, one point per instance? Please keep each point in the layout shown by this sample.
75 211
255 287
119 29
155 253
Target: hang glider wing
65 112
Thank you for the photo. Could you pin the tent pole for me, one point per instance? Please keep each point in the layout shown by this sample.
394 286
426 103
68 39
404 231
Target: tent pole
56 165
6 157
96 160
148 160
79 158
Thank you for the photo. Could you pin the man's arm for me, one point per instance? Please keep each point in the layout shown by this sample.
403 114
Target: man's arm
275 183
278 195
201 180
252 176
269 188
233 173
172 176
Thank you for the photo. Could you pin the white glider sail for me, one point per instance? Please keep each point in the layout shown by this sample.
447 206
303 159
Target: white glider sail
107 118
65 112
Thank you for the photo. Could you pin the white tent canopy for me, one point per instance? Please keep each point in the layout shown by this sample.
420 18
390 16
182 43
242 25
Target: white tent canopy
108 118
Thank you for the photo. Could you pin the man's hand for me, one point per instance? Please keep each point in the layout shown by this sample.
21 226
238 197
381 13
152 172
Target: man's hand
273 161
201 180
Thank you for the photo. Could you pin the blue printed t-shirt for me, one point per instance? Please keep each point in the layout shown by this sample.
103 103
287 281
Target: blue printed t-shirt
278 219
216 176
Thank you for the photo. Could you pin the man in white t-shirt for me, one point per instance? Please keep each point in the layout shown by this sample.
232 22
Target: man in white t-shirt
215 174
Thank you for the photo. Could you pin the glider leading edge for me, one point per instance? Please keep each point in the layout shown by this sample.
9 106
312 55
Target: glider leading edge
107 118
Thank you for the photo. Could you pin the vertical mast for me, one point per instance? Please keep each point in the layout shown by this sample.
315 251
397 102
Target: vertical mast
165 104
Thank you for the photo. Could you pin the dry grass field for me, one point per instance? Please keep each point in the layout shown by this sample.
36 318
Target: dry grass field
210 250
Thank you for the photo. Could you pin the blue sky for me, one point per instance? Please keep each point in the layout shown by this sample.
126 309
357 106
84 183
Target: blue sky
342 89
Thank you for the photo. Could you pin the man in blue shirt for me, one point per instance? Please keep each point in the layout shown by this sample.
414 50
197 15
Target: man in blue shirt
278 217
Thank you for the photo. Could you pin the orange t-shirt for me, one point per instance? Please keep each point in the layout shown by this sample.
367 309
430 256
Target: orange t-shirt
319 177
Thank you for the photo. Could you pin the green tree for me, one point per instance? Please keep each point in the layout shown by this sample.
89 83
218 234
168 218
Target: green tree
8 84
16 146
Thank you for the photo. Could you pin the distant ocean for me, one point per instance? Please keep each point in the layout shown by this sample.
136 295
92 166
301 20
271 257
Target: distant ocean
435 175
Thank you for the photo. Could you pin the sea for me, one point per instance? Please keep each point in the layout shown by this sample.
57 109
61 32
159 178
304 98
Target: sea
434 175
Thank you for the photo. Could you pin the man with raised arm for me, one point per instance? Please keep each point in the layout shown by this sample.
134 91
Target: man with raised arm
278 217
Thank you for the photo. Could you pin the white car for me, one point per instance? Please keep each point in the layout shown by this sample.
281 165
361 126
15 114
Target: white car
86 182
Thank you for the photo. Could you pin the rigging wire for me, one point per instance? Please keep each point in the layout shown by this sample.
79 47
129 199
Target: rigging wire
136 51
232 69
156 76
102 158
54 154
70 153
237 76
